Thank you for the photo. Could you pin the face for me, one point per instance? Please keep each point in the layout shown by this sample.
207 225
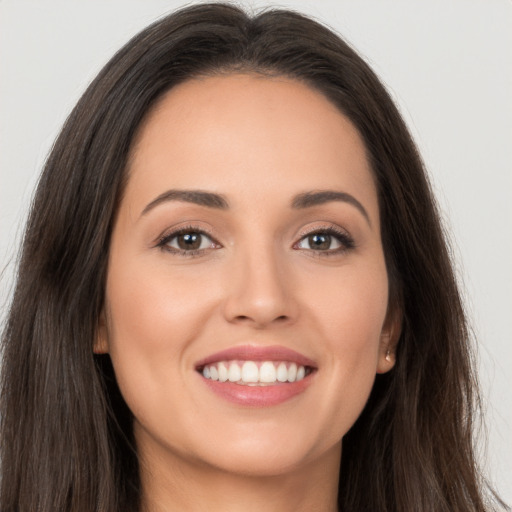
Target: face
247 293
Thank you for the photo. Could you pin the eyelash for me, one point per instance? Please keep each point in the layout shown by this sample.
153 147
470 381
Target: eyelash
165 239
346 241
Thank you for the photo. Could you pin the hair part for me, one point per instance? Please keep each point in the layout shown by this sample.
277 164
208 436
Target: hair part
66 434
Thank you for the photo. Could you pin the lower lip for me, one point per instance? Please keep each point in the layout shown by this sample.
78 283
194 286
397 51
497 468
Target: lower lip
258 396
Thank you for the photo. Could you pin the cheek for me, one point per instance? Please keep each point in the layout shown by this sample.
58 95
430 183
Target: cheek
152 310
349 306
152 318
349 311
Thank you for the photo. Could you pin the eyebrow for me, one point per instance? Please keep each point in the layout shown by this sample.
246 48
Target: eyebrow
315 198
200 197
218 201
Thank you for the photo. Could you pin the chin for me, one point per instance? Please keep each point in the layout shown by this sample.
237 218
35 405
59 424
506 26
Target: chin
267 455
259 463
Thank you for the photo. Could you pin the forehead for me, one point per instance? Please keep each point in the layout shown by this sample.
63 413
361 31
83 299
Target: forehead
275 135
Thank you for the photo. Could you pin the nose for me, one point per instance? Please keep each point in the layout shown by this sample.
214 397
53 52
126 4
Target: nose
260 291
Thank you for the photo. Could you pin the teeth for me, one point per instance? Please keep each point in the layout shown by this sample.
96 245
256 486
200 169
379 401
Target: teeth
282 373
267 372
251 372
214 374
223 372
234 373
292 372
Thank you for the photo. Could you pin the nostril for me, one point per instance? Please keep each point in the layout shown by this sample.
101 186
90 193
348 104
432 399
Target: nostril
247 318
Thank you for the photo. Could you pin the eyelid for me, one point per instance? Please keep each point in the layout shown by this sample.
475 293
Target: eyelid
342 235
164 239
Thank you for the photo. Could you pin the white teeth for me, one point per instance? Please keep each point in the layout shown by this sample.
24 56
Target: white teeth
223 372
282 373
234 374
292 372
267 372
251 372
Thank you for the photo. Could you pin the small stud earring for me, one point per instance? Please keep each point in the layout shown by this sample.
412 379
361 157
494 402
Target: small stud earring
388 355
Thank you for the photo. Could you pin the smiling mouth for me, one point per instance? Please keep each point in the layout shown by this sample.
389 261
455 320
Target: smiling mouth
255 373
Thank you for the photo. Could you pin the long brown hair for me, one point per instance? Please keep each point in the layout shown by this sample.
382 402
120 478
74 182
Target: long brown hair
66 434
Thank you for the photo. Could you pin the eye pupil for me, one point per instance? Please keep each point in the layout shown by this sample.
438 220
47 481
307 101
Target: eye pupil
319 241
189 241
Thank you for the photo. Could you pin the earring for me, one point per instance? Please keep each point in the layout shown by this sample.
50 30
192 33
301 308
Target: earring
388 355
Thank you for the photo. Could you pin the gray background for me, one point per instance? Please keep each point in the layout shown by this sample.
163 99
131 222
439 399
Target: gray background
447 63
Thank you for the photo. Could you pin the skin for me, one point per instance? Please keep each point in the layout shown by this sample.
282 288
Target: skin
257 280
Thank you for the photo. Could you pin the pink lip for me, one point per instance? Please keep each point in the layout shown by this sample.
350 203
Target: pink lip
258 396
257 353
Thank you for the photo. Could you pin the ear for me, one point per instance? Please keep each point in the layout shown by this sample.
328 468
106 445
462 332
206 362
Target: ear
101 339
389 340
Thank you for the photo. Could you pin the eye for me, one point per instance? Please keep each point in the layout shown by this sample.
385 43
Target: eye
326 240
187 241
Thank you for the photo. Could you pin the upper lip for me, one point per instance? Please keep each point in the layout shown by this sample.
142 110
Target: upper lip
257 353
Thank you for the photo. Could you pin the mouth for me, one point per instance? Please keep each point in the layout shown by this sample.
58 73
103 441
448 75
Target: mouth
257 376
255 373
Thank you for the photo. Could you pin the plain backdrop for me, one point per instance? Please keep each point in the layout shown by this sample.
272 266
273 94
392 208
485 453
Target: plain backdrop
448 65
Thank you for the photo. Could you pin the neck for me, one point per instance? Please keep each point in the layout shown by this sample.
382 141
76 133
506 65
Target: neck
179 485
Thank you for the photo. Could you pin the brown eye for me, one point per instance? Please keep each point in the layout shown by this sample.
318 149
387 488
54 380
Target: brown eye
327 241
188 241
319 241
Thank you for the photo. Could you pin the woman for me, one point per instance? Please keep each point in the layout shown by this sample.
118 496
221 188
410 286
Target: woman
234 290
